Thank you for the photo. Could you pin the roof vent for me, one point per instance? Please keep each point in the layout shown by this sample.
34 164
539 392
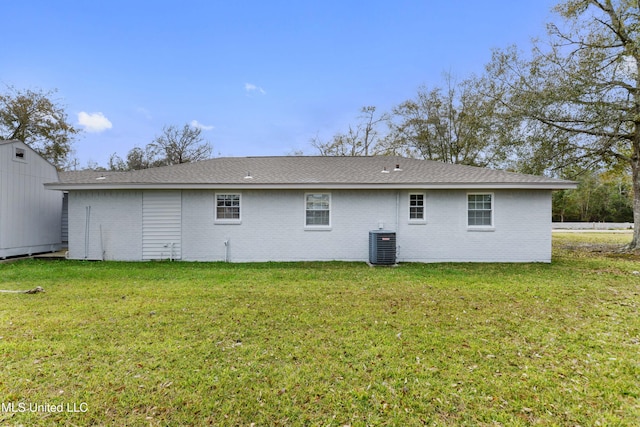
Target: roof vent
100 178
248 176
397 169
384 170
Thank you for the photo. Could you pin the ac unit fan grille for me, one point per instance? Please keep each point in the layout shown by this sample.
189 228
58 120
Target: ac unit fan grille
382 247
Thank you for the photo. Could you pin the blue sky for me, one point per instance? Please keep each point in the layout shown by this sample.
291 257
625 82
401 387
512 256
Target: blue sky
260 77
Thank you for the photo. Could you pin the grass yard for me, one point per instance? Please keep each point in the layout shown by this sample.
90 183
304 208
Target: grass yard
329 344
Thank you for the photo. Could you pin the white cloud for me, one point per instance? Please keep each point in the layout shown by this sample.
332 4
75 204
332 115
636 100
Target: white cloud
94 122
250 87
144 112
197 124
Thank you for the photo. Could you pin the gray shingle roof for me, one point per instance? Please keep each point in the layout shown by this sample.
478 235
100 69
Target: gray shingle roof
308 172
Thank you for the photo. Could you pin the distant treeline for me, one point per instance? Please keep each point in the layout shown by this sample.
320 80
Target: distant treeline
600 197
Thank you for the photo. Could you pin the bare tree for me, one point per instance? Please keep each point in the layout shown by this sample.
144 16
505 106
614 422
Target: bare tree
173 147
359 140
184 145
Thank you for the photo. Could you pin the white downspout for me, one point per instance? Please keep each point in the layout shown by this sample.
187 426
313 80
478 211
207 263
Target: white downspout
397 210
101 245
86 230
397 224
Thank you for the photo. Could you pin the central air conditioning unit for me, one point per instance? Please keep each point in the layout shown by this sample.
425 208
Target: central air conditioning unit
382 247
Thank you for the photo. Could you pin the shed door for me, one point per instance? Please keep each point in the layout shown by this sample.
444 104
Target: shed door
161 225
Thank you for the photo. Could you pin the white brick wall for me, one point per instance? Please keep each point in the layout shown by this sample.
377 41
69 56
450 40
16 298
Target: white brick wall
272 226
115 225
521 232
273 229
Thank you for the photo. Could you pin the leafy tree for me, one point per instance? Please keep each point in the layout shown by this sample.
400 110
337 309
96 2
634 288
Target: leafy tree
360 140
33 117
580 92
454 124
117 164
600 197
137 158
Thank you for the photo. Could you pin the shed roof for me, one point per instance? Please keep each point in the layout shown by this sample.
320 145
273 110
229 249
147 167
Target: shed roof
375 172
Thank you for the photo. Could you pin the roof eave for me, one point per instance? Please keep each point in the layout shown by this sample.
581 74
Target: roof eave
562 185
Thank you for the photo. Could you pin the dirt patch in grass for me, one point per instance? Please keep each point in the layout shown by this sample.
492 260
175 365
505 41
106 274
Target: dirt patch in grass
609 245
596 248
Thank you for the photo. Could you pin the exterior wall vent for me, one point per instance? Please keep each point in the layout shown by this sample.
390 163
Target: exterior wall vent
382 247
20 155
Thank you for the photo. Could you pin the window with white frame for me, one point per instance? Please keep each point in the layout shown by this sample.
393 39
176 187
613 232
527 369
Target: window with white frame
317 209
416 207
480 210
228 207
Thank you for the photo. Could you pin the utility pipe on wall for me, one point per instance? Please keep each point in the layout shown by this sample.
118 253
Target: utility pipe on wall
101 245
397 210
86 230
170 247
397 222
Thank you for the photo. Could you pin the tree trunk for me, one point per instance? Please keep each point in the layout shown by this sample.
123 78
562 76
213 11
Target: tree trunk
635 173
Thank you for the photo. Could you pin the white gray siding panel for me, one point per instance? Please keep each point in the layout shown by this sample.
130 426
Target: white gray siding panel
161 225
30 215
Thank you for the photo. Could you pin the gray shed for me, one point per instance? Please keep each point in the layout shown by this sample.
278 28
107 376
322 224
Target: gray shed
30 215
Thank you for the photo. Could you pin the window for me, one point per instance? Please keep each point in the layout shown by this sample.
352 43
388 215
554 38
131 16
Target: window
20 154
317 209
416 207
228 207
480 210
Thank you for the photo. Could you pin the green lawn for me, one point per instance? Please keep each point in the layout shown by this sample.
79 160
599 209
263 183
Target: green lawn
325 343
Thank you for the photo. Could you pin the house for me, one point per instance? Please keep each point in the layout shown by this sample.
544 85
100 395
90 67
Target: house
309 208
29 214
